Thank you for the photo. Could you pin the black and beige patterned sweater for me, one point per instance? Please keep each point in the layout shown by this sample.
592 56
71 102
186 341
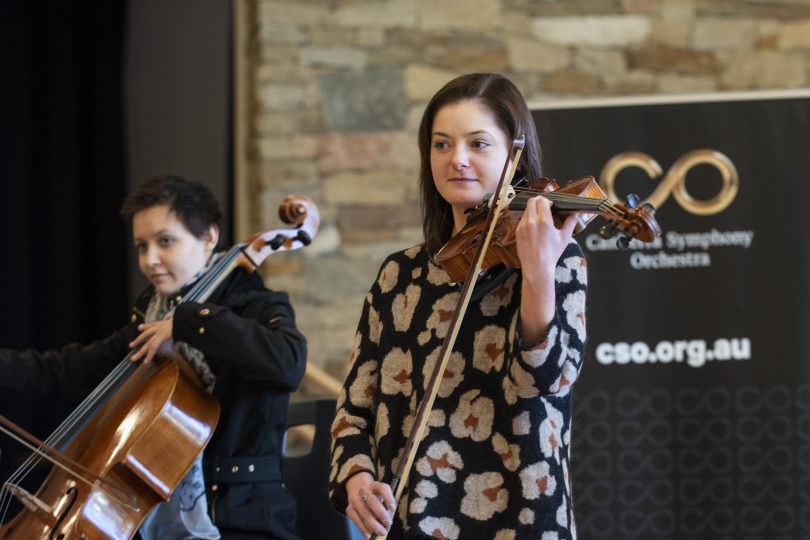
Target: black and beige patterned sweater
494 461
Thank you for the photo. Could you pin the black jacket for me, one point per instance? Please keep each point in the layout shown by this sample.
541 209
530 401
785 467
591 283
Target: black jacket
249 338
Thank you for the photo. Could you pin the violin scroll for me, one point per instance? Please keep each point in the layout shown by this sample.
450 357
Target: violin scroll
630 221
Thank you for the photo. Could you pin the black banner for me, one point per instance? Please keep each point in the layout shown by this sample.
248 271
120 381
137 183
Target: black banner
692 413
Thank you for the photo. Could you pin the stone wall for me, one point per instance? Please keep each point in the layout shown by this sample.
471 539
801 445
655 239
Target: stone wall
334 90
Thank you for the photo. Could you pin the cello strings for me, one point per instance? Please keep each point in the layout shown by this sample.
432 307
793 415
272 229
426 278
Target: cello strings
60 434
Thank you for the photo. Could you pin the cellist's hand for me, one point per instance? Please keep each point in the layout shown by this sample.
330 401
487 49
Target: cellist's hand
155 338
371 504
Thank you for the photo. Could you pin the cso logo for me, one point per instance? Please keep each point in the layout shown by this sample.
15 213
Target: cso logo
675 180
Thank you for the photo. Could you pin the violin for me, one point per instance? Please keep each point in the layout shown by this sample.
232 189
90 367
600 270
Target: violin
582 196
134 438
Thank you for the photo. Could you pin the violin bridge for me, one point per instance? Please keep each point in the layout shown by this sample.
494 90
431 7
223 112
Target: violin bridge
31 502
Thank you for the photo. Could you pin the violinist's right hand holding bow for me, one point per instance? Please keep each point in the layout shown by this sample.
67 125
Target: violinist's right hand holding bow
371 504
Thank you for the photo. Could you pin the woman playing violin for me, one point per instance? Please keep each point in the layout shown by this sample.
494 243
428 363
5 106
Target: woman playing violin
495 460
242 343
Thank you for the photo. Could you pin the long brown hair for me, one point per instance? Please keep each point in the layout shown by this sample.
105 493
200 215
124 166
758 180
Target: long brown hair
504 100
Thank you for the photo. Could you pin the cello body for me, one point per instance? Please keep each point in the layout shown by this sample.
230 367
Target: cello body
142 442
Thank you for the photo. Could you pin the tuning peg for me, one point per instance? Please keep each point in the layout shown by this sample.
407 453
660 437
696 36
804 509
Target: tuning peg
277 241
607 231
303 237
622 242
632 200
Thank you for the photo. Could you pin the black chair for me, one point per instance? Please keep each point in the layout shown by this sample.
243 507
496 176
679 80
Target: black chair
307 476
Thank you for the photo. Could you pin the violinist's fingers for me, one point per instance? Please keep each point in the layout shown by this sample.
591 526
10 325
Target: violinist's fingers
542 203
358 521
387 497
568 226
371 512
369 521
535 218
531 209
381 513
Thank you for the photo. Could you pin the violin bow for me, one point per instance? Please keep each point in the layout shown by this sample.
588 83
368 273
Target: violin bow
426 405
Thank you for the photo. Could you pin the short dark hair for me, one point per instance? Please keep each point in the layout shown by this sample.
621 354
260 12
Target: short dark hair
501 97
193 203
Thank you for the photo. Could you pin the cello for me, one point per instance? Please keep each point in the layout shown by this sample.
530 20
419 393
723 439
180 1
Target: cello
133 439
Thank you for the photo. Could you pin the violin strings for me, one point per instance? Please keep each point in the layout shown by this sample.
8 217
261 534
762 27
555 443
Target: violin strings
580 203
65 431
553 195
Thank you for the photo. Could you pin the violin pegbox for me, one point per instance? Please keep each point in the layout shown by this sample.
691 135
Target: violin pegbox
636 222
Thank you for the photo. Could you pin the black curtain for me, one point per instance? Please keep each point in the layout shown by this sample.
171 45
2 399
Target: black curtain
63 276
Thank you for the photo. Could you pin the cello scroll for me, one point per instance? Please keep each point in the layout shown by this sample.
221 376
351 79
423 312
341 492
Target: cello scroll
297 210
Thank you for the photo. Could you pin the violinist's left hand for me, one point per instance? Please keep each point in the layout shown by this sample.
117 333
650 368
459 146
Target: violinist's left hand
539 245
155 338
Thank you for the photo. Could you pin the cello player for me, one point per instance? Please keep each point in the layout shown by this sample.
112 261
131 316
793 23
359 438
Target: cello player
243 343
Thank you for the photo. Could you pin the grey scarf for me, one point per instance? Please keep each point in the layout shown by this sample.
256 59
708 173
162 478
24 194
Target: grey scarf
159 306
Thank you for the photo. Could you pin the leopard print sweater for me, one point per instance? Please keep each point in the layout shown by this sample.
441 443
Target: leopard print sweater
494 460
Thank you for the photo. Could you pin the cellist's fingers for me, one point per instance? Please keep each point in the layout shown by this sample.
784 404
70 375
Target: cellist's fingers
141 338
153 336
140 344
146 352
152 349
